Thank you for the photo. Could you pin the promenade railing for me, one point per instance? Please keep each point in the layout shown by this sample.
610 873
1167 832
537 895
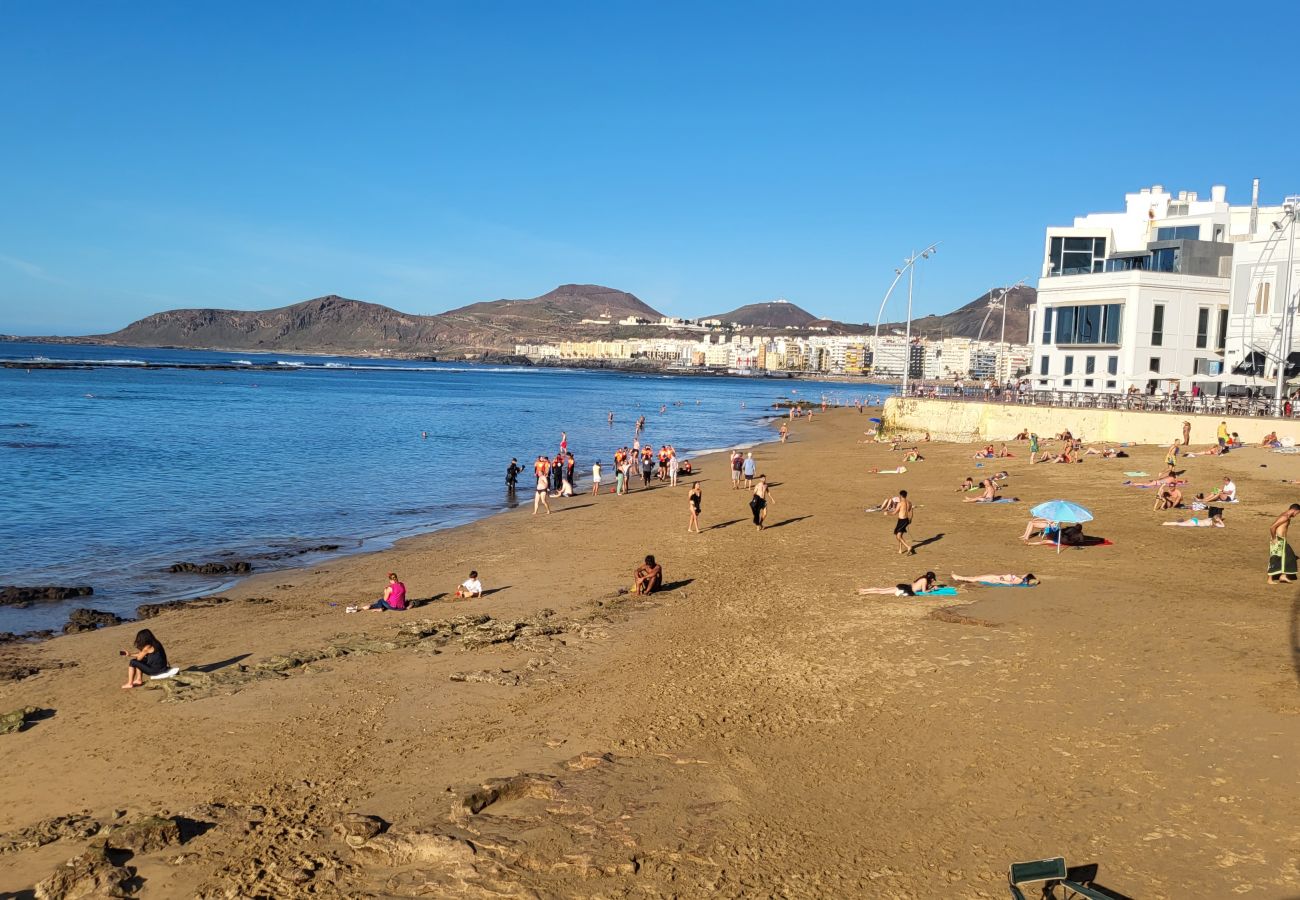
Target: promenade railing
1205 405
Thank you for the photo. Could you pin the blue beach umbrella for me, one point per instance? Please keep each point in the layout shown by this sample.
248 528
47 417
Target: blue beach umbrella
1061 511
874 419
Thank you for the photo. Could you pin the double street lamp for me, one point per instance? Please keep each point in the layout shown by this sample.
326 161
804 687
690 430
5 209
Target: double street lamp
1290 209
909 266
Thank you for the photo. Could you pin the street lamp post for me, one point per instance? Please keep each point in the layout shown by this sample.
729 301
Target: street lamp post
908 266
1288 313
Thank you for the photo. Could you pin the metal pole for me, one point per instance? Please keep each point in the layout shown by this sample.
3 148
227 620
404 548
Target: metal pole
1288 317
907 338
1002 343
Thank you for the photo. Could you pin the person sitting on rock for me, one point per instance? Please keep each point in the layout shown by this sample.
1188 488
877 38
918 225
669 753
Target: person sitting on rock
149 659
648 578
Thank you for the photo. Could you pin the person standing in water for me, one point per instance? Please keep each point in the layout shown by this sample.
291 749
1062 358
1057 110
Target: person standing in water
905 511
512 474
694 498
611 418
760 501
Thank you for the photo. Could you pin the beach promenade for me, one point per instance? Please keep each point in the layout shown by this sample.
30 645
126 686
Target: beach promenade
757 729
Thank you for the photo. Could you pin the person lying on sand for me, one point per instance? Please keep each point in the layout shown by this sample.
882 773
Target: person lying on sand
648 578
913 456
925 583
1167 479
1106 452
1027 579
967 485
1215 519
1052 533
471 587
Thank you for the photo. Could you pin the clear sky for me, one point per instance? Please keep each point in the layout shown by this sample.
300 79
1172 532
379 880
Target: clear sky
425 155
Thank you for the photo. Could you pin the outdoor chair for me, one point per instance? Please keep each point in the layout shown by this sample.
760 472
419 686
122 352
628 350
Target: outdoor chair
1053 876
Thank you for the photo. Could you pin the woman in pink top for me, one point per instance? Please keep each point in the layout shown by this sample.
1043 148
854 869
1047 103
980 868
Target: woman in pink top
394 596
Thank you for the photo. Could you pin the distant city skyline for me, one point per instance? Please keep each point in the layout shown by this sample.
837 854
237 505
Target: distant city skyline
428 156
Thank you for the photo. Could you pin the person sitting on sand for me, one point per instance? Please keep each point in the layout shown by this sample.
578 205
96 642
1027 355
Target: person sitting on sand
1225 494
471 587
890 505
967 485
1028 579
913 456
394 596
920 585
1003 453
989 494
1168 496
1214 518
149 659
1049 530
1270 440
1023 436
648 578
986 453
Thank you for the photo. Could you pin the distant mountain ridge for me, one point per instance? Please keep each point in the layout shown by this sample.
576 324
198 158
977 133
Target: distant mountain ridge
334 324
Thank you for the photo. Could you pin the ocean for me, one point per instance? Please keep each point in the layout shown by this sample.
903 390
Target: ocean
108 476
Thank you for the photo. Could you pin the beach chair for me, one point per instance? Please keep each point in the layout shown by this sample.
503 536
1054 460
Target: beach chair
1052 874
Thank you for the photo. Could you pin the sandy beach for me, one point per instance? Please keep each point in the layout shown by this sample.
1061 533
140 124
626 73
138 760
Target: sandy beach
757 729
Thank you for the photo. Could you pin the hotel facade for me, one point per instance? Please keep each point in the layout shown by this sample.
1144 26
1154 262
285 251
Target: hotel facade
1155 297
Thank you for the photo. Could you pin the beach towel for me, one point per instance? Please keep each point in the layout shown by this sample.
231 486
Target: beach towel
1137 474
1000 584
899 471
945 591
170 673
1104 542
1287 450
1004 500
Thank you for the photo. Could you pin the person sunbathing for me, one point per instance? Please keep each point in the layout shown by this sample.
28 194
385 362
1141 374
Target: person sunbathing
986 453
912 456
1169 478
1214 519
989 494
1028 579
967 485
920 585
1052 532
1270 440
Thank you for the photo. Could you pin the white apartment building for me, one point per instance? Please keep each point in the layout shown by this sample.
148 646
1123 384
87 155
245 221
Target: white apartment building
1139 298
1260 285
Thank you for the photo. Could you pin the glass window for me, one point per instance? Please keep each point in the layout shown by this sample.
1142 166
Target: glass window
1114 315
1069 365
1042 365
1047 325
1110 384
1089 365
1158 325
1164 259
1155 364
1179 233
1262 291
1222 336
1065 324
1076 255
1087 328
1202 328
1087 382
1067 382
1112 365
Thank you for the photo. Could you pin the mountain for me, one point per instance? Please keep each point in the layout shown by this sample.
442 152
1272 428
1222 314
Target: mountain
966 321
338 325
773 314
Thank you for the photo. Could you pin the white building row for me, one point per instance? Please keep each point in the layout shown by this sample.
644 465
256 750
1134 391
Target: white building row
1172 290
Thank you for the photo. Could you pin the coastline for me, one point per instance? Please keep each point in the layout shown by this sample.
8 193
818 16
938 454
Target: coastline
757 728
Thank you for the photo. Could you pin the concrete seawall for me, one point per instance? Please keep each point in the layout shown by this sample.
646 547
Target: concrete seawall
961 420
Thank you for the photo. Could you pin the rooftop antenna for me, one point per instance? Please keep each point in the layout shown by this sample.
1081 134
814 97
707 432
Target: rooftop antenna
1254 206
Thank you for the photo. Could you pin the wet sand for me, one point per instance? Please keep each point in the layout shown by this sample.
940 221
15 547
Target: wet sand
758 729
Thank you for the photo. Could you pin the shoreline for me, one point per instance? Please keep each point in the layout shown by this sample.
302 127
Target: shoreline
560 738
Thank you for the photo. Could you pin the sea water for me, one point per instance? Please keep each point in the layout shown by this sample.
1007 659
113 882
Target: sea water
110 475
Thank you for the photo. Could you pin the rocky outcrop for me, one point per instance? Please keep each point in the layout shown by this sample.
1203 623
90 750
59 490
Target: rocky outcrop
92 874
238 567
144 835
17 719
11 595
77 826
90 619
149 610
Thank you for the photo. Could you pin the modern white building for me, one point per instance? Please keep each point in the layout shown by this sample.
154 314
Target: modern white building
1260 284
1140 298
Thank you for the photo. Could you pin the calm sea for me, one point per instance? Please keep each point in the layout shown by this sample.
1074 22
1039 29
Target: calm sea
110 475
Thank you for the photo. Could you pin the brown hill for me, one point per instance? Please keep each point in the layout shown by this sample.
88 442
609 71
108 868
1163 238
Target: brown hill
966 321
338 325
772 314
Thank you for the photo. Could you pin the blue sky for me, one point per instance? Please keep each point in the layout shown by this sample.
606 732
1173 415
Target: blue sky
427 155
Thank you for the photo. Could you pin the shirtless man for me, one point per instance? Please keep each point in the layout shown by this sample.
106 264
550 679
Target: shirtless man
648 578
1281 559
989 494
1168 496
905 512
759 503
1187 433
785 432
1029 579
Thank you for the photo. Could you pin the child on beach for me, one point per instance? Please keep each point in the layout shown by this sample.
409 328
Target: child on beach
149 659
471 587
648 578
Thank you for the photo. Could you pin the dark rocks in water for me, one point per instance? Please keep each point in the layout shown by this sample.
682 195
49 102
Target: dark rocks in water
11 595
239 567
303 551
149 610
90 619
92 874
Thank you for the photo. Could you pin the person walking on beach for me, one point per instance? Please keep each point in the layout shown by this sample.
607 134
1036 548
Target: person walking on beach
674 467
1033 447
540 492
1187 433
785 432
595 479
905 511
760 501
1281 559
737 462
749 468
694 498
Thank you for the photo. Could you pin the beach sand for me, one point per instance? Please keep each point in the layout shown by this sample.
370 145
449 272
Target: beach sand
758 729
